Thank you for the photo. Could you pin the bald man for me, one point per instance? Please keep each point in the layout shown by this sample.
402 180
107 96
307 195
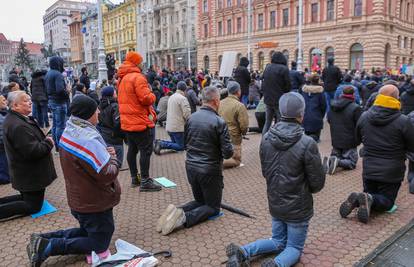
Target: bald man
387 136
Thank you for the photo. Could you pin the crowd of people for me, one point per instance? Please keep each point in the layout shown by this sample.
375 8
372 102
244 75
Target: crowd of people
207 117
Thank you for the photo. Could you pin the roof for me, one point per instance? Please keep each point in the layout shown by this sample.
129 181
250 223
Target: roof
2 37
34 48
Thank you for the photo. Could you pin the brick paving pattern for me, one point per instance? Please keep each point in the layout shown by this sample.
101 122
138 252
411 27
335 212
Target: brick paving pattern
331 241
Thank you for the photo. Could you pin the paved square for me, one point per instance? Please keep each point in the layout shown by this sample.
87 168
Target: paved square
332 241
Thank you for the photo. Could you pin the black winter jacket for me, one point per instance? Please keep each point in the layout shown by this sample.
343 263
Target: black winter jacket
28 152
315 108
85 80
297 79
37 86
207 141
276 80
109 121
54 81
387 136
367 90
343 117
242 76
293 170
407 100
331 77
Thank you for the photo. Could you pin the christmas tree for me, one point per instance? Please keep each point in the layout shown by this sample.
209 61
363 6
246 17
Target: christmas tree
22 58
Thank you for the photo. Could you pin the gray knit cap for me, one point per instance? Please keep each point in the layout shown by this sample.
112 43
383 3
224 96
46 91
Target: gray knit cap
292 105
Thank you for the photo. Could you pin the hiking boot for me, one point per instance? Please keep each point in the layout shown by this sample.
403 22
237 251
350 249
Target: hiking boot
333 163
30 248
365 203
37 256
149 186
268 263
161 221
325 164
136 181
349 205
236 257
174 220
157 147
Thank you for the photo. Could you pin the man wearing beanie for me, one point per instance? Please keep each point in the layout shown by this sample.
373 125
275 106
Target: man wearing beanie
343 117
138 119
178 112
237 120
293 170
387 136
90 169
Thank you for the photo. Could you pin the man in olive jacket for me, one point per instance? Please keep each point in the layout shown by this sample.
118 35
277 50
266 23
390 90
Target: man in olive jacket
237 120
29 156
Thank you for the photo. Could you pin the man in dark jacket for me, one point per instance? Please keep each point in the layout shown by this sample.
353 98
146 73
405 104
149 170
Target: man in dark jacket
151 75
293 170
4 166
387 136
367 90
30 161
242 76
58 96
343 117
39 98
331 77
192 96
14 77
84 78
207 142
276 82
297 79
407 99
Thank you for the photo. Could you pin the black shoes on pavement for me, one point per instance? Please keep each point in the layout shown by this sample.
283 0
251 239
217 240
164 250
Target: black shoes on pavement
354 200
136 181
349 205
332 165
149 186
157 147
236 256
268 263
36 250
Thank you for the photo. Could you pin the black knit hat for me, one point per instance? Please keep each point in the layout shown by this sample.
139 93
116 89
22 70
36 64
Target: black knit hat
83 107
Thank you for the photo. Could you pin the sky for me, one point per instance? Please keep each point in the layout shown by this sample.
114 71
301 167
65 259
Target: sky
24 18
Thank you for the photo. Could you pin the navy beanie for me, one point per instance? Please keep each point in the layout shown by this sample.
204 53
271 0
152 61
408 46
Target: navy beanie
83 107
108 91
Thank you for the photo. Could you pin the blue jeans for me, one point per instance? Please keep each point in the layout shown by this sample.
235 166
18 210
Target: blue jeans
329 96
40 113
59 120
176 143
288 240
4 169
245 99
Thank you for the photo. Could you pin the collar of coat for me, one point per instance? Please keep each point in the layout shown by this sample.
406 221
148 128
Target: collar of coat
180 92
234 97
209 109
387 102
312 89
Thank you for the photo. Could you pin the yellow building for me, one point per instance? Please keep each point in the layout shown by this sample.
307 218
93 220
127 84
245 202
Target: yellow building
119 29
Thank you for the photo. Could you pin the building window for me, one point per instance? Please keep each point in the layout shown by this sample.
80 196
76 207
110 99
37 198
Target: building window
358 8
229 26
405 42
286 17
205 6
261 60
387 55
239 25
329 53
219 4
297 15
315 59
239 2
220 59
260 21
205 30
229 3
286 54
206 63
220 28
357 57
330 12
314 9
272 19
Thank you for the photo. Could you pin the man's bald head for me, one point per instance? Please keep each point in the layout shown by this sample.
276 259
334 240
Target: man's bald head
389 90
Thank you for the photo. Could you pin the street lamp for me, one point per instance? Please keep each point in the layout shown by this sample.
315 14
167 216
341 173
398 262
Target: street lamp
188 35
146 11
300 54
249 29
102 70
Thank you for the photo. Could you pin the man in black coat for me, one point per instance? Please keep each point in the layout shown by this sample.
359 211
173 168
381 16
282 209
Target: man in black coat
407 99
343 118
297 79
242 76
84 78
331 77
207 142
387 136
39 98
276 82
28 151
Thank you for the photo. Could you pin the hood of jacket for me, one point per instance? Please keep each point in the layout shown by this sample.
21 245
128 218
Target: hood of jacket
381 116
106 101
244 62
279 58
38 73
127 67
340 104
371 85
285 134
410 89
313 89
56 63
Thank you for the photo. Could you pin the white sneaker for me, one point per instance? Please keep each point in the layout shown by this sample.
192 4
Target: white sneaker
174 220
164 215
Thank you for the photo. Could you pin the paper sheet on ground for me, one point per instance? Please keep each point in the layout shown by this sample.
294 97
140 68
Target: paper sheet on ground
165 182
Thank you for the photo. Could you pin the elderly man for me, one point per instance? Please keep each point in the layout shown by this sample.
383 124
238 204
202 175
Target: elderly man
28 152
207 142
178 111
237 119
387 136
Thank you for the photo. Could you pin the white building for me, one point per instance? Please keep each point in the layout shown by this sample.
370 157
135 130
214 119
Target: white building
55 25
166 31
90 39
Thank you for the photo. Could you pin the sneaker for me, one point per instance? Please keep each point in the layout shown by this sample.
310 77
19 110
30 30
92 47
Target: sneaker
149 187
268 263
365 203
37 256
136 181
157 147
333 163
349 205
161 221
325 164
236 257
30 248
173 221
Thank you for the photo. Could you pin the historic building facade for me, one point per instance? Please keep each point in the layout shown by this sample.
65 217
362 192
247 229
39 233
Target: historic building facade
360 34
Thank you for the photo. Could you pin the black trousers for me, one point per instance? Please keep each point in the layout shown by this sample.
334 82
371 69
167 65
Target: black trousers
140 142
383 194
207 191
272 113
21 205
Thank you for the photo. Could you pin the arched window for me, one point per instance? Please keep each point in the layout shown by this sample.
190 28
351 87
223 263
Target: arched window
261 59
397 62
387 55
286 54
315 59
220 59
356 57
329 53
271 55
405 42
206 63
399 42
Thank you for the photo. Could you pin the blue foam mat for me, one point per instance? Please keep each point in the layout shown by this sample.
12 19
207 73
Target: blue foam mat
46 209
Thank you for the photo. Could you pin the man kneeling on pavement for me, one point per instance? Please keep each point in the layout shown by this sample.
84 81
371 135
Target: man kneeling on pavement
90 169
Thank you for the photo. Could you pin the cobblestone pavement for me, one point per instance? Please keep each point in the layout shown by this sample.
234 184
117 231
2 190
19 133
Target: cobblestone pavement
331 241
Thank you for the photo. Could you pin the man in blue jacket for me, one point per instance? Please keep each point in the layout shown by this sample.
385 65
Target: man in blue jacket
58 96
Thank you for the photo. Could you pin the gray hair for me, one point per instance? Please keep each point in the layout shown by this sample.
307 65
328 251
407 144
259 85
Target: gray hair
233 87
14 97
209 94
